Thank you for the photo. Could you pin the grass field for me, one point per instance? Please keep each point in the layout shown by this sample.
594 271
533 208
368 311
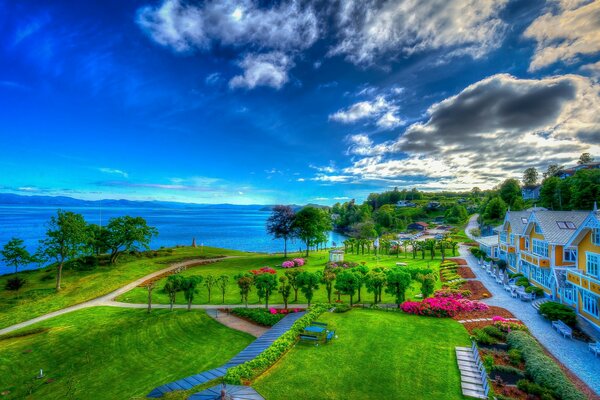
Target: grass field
111 353
316 262
39 297
378 355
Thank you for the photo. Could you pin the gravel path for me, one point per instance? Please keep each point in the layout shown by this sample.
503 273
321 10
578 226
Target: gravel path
237 323
573 354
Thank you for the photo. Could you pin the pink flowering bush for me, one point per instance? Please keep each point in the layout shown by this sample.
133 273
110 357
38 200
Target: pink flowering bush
442 306
283 310
299 262
296 262
506 326
263 270
344 265
288 264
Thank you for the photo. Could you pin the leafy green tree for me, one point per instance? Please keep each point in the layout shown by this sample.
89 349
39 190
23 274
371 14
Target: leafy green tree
209 283
265 285
430 245
189 286
14 254
347 283
427 285
495 209
292 275
456 214
309 282
397 283
530 177
285 289
549 193
97 240
375 282
128 234
585 158
553 170
280 224
510 190
361 272
452 244
312 224
65 240
222 282
585 189
244 282
328 279
518 204
173 285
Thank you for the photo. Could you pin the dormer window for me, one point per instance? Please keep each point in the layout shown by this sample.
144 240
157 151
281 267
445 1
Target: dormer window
596 236
537 229
565 225
524 220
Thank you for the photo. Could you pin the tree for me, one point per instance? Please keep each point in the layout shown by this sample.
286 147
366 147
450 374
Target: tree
97 240
453 245
309 282
222 282
427 286
397 282
347 283
585 187
65 239
173 285
292 275
549 193
327 279
280 224
430 244
375 282
189 286
150 286
128 234
14 254
265 285
209 283
457 214
244 282
585 158
285 289
312 224
553 170
510 190
530 177
495 209
361 272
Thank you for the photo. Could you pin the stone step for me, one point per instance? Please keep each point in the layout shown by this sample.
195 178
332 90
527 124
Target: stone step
474 394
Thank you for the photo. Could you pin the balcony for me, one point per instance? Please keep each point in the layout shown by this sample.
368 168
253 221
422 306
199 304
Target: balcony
582 280
535 259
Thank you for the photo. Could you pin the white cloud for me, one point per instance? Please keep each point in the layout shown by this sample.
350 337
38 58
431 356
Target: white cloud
270 69
213 79
114 171
370 28
593 69
491 130
186 27
382 111
565 33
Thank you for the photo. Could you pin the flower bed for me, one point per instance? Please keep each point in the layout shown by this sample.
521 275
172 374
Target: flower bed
263 270
459 261
465 272
477 289
296 262
343 264
259 316
442 307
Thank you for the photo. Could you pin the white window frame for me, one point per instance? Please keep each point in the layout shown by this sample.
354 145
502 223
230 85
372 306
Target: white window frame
596 236
572 255
537 229
590 303
592 264
540 248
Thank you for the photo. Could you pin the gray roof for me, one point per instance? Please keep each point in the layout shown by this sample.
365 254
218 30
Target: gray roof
550 229
515 219
488 241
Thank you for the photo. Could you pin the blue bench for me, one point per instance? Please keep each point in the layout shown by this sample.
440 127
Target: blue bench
330 335
309 338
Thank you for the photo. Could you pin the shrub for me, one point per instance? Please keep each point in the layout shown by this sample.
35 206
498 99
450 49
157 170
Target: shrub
556 311
251 369
288 264
515 276
515 357
488 362
482 337
541 368
508 369
263 270
15 283
535 290
258 315
494 332
452 292
341 308
522 281
534 389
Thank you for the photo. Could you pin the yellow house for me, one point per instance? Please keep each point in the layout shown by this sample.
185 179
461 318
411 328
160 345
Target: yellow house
544 252
509 237
582 287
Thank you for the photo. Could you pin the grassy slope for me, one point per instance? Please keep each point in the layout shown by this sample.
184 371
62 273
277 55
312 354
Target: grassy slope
378 355
39 297
109 353
316 262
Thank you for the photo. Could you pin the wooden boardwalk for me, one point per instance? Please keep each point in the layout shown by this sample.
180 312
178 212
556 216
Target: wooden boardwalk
249 353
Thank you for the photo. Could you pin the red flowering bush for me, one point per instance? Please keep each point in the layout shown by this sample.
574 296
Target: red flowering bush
442 306
507 326
263 270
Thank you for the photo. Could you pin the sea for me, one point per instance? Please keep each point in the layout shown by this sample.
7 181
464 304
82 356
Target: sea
231 227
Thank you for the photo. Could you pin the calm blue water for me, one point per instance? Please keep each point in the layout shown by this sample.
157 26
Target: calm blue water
232 228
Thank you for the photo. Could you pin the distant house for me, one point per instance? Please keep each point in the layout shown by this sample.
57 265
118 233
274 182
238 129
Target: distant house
405 203
570 171
418 226
434 205
531 192
489 245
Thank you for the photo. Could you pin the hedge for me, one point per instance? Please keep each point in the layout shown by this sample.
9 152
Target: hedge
556 311
260 316
252 369
542 369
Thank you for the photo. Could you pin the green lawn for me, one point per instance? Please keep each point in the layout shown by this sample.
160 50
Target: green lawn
378 355
316 262
39 296
111 353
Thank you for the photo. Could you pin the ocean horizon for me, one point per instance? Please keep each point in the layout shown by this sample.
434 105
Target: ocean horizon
225 226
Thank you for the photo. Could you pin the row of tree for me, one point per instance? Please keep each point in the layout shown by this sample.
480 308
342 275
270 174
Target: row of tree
353 245
69 237
310 225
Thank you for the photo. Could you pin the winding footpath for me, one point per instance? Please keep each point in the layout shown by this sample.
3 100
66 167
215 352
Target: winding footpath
573 354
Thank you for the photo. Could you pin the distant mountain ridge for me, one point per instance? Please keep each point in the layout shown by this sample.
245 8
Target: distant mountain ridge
65 201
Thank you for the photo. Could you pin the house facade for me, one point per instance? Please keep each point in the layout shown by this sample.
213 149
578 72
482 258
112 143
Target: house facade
531 192
559 252
418 226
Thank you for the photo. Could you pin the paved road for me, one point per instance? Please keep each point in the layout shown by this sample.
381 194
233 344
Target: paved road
108 299
573 354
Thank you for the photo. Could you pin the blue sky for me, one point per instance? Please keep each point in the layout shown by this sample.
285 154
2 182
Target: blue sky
246 101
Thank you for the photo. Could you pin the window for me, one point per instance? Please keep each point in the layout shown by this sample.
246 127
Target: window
512 239
570 255
590 303
542 276
540 248
524 220
570 294
525 268
537 229
591 264
565 225
526 243
503 237
596 236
